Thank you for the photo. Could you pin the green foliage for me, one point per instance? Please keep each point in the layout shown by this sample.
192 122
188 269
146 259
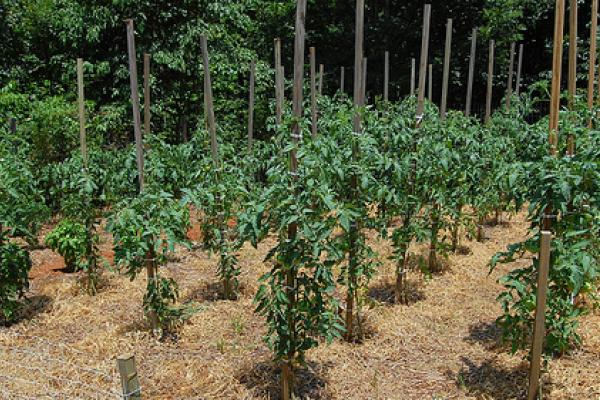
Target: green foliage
69 239
566 187
14 276
23 209
145 230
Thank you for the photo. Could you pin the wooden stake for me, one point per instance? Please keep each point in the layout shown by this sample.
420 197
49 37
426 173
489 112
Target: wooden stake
359 101
430 86
556 75
471 73
363 84
278 83
146 94
413 76
358 59
423 64
490 83
342 80
282 86
81 103
251 105
321 75
592 67
313 91
287 367
540 316
135 101
572 83
129 378
208 100
446 76
509 88
386 76
519 69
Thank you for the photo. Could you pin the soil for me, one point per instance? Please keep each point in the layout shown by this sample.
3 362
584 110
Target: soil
443 345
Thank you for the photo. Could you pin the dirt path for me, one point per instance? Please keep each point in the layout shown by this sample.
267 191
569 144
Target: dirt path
442 346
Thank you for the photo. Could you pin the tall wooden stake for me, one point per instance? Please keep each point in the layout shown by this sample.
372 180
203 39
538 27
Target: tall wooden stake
343 80
446 76
281 87
572 84
287 371
509 87
359 101
208 99
413 76
519 70
540 316
364 99
81 103
471 73
386 76
135 102
423 64
592 67
556 76
313 91
430 85
321 76
137 129
278 83
146 94
251 105
490 83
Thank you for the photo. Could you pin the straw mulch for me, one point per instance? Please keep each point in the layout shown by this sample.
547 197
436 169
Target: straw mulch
444 345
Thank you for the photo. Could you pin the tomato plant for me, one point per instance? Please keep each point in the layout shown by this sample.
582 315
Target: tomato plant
145 230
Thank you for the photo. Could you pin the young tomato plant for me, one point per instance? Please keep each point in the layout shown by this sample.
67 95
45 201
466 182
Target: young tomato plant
76 237
296 295
569 187
219 198
145 230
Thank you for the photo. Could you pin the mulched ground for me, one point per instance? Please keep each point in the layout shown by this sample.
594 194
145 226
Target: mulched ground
444 345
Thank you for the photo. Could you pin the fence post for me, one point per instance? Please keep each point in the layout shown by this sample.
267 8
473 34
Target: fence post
519 69
129 378
509 88
471 73
342 79
81 104
446 76
490 83
251 105
540 316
